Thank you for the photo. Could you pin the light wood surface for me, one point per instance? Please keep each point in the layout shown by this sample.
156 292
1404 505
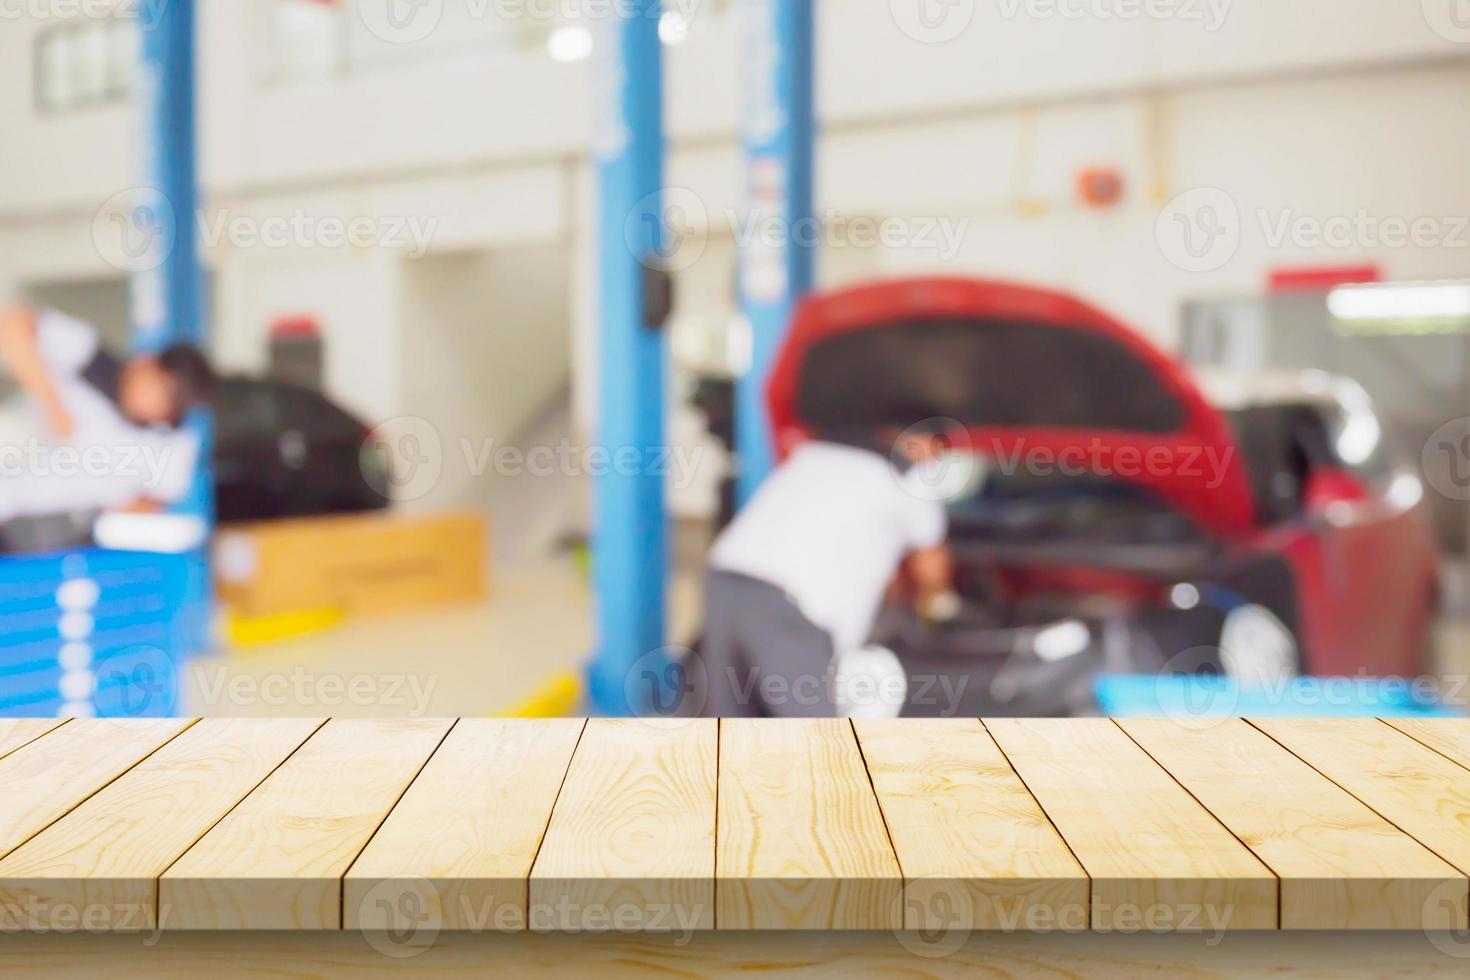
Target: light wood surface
631 843
802 843
975 848
818 956
1413 787
1160 858
16 732
1450 737
107 854
1341 865
488 792
932 832
277 860
42 781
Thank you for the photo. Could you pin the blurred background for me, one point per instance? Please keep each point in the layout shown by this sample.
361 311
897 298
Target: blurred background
411 237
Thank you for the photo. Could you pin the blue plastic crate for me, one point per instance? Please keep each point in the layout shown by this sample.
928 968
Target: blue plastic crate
1214 696
98 632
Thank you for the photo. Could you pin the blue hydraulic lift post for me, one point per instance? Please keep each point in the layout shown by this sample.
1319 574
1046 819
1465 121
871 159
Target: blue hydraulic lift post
778 132
167 305
629 538
166 296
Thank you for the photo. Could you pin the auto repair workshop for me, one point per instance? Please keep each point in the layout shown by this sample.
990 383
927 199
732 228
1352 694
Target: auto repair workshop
942 479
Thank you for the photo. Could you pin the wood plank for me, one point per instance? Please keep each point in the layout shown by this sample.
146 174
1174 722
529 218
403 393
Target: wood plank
1409 784
16 732
488 793
105 856
1158 860
801 839
1450 737
1341 865
796 955
277 860
44 780
976 850
631 844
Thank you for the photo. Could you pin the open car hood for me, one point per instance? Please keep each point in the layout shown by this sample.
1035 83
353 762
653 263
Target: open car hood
1032 377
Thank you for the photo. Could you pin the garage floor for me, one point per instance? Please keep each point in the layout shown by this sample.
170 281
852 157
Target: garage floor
490 659
458 661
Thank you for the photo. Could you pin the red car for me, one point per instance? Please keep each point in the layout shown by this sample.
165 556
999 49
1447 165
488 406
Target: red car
1123 516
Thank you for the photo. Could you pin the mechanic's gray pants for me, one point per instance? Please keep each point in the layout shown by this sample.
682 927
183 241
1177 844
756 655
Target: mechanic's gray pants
761 656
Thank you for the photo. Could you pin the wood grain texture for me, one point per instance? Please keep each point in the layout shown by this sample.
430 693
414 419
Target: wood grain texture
106 855
16 732
42 781
1409 784
277 860
488 794
1158 862
1450 737
631 844
802 843
812 956
975 848
1341 865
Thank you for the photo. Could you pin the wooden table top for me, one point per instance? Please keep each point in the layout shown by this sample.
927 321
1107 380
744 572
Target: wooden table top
664 825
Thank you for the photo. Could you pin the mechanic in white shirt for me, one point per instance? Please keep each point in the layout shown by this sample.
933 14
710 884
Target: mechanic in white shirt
796 581
108 435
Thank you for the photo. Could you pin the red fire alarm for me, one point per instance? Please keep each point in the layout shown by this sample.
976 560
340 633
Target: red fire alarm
1100 187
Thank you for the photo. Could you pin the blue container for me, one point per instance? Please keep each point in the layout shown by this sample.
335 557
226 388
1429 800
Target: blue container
1184 696
97 632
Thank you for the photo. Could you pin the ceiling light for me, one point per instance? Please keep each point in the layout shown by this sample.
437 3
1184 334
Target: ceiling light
1409 301
673 29
570 43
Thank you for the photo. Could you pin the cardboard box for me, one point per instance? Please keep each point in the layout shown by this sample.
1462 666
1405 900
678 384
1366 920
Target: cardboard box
359 564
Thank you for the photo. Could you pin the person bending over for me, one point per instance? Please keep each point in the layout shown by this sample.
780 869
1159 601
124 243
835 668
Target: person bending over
123 416
796 581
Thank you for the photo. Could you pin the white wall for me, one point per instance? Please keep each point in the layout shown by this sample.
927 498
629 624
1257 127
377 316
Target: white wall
480 102
1308 109
486 350
349 295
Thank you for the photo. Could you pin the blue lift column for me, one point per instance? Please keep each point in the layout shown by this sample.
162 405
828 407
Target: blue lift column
166 300
166 305
629 554
778 132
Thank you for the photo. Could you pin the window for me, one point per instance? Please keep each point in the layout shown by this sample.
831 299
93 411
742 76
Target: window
86 63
